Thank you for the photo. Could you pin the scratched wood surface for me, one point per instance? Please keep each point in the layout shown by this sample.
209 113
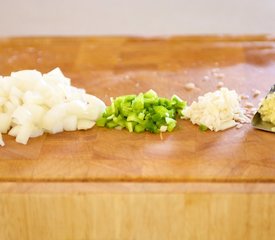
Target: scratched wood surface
112 66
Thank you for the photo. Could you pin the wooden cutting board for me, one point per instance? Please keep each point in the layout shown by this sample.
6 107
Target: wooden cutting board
112 66
109 67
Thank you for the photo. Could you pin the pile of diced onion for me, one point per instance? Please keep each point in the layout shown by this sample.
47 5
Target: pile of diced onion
32 103
217 110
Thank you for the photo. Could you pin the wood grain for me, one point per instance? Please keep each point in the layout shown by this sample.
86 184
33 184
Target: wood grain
150 213
112 66
106 184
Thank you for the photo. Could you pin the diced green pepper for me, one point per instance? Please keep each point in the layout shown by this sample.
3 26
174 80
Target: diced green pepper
111 124
101 122
139 128
203 128
138 103
142 112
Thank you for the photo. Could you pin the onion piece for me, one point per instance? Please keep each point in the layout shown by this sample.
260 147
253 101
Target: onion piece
70 123
84 124
1 141
5 121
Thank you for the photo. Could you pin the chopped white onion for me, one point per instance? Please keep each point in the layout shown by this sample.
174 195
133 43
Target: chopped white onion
85 124
32 103
70 123
1 141
5 122
24 134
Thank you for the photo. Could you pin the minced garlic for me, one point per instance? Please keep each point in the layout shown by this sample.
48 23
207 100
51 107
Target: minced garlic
217 110
267 109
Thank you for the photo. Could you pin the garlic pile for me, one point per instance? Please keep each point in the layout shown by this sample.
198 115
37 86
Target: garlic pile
267 109
217 110
32 103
